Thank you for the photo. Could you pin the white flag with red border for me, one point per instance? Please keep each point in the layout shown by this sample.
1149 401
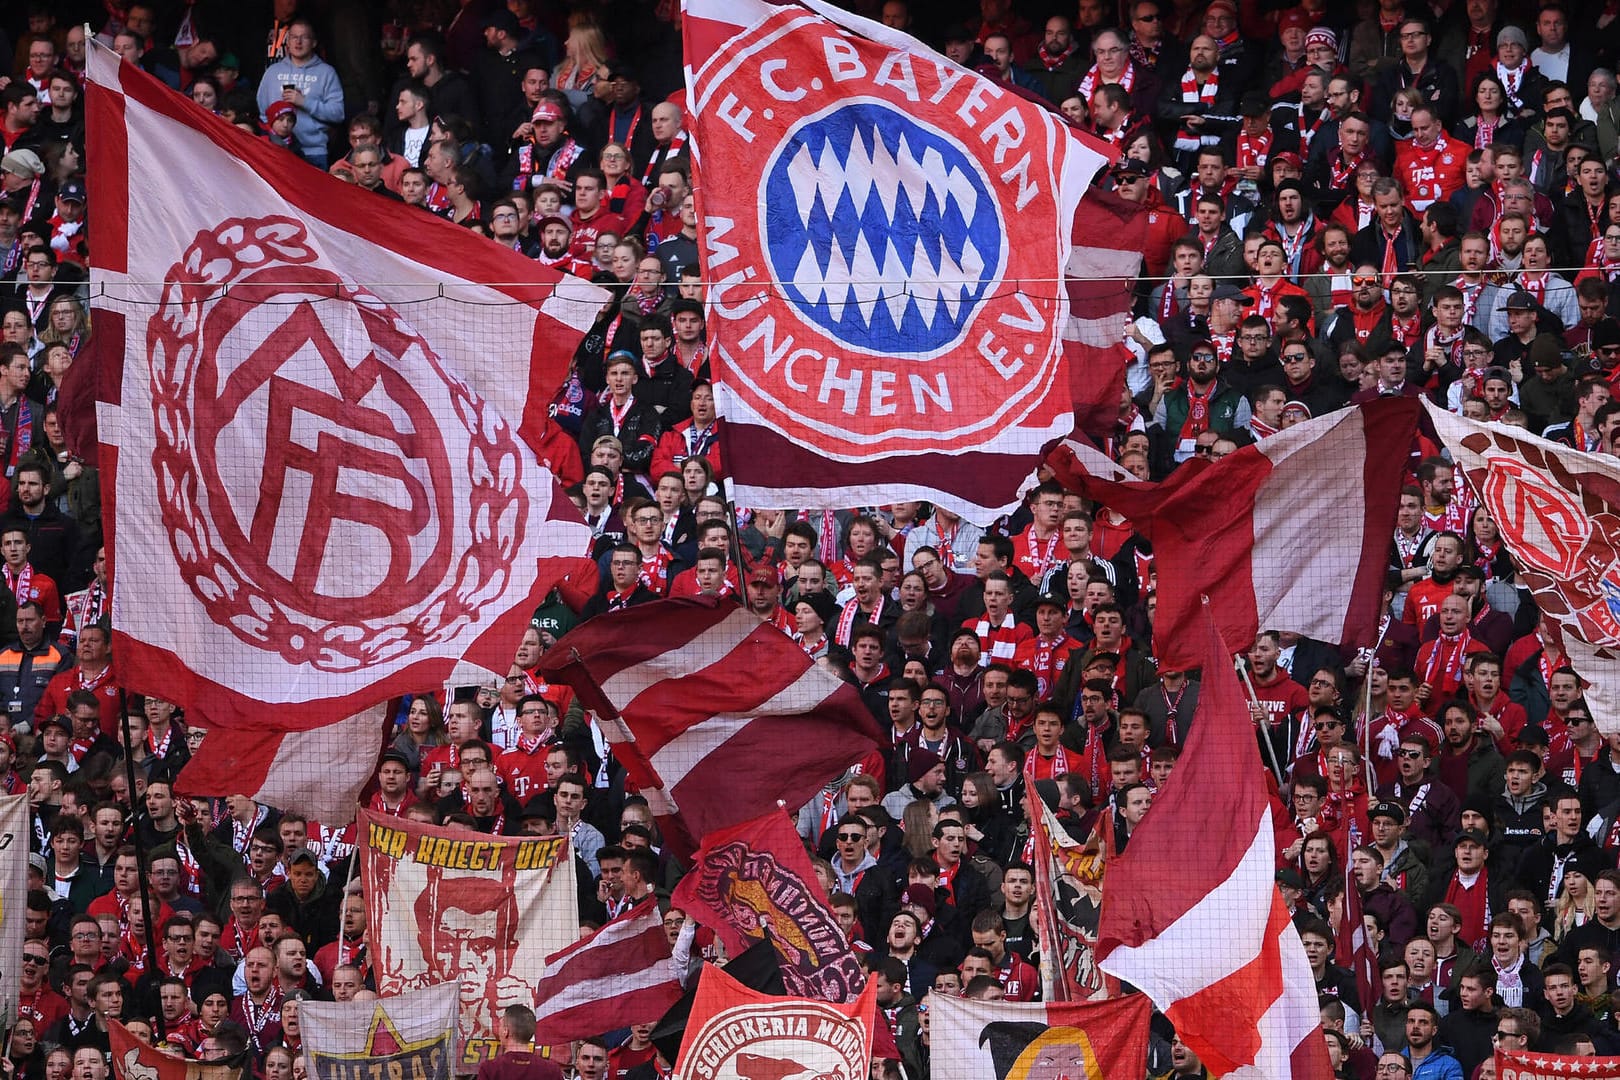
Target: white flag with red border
309 508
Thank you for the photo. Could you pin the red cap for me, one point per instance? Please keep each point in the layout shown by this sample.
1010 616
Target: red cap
546 110
277 109
1297 19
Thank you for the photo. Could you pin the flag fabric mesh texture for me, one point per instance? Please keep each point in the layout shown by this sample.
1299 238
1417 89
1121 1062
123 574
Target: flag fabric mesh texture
802 550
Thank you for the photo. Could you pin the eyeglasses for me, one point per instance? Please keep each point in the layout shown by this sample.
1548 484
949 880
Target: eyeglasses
1204 357
1326 725
177 938
1504 1035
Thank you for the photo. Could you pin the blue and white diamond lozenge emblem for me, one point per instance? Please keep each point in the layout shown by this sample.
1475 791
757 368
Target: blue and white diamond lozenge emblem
884 232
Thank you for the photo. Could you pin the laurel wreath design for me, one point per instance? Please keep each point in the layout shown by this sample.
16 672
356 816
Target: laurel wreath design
498 504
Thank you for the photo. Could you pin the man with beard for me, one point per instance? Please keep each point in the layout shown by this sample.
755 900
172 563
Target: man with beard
1196 101
556 237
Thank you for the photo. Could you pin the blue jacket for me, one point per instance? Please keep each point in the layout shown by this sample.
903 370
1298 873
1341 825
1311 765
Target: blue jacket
1439 1065
323 101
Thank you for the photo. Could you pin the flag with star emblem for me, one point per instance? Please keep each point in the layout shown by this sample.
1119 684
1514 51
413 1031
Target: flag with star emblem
410 1035
1523 1065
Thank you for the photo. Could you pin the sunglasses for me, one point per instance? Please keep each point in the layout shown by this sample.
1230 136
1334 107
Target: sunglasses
33 958
1360 281
1409 753
851 836
1150 17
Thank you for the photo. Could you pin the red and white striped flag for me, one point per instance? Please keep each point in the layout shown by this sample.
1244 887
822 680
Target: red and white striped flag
622 974
1191 915
313 504
1291 533
716 716
1109 233
1353 950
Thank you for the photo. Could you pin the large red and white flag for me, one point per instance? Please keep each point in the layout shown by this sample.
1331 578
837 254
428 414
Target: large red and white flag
621 974
1291 533
1001 1040
737 1032
1559 512
1192 915
887 301
716 716
312 503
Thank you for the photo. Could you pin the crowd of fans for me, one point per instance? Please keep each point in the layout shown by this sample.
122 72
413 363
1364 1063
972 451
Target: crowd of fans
1384 198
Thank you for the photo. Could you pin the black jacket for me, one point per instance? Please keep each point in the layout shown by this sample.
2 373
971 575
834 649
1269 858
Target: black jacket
639 433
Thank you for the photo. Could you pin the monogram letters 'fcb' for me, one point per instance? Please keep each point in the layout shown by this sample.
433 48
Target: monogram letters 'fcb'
888 299
321 491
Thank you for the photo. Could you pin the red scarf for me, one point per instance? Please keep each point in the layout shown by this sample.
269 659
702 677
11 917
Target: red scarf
1252 150
1192 93
1093 79
1446 661
20 583
1197 421
1053 62
1342 171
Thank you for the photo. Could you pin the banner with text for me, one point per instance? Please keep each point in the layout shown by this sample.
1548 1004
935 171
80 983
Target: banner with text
479 911
410 1036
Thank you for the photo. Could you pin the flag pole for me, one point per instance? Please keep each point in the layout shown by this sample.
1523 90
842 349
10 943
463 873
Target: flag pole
1369 775
1242 670
152 958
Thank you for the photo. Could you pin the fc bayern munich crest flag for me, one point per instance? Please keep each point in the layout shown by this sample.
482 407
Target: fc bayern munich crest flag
310 509
1559 513
888 298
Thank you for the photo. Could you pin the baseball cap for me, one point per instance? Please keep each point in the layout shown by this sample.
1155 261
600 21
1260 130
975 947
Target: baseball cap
302 854
1222 5
1521 301
1291 878
1254 104
547 110
1228 291
1133 167
766 574
1052 600
57 721
72 191
1471 836
1532 735
395 755
1392 810
554 219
